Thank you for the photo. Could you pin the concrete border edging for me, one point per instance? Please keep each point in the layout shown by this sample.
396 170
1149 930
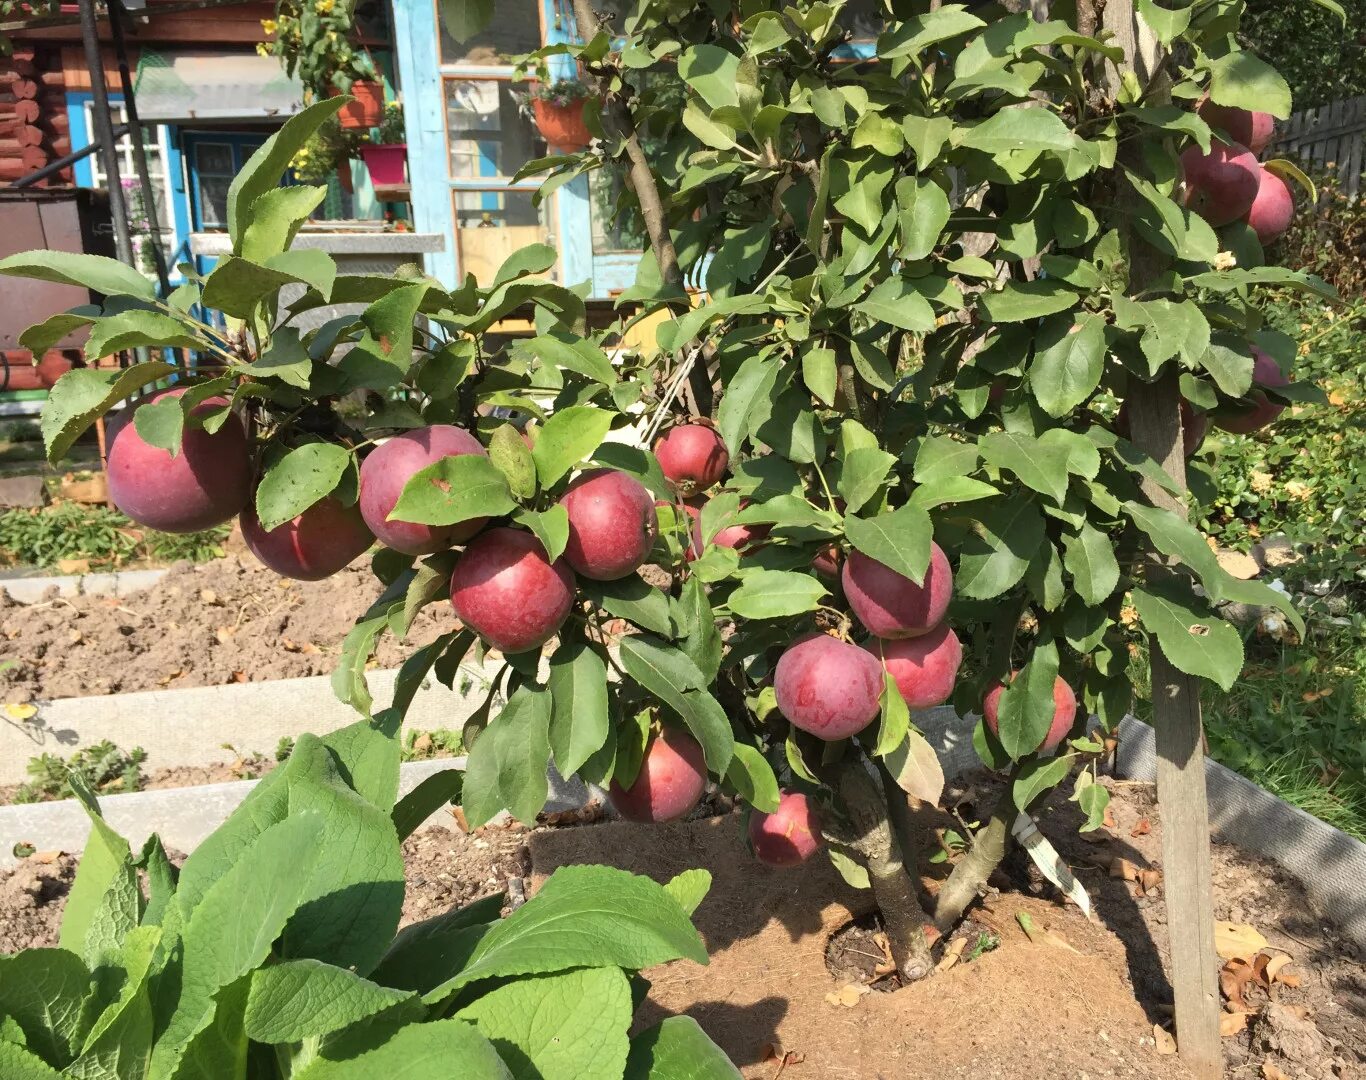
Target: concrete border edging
29 590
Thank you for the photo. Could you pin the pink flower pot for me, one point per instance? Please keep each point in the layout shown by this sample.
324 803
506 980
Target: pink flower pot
386 164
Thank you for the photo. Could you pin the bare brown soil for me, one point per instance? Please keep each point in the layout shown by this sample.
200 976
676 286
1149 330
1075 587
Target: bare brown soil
230 620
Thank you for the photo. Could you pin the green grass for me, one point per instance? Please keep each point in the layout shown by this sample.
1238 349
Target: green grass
103 537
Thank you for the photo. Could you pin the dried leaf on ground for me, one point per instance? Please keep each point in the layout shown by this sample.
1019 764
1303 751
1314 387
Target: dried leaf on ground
1233 980
952 954
848 995
1145 878
1237 940
1143 828
1269 966
1166 1042
1231 1023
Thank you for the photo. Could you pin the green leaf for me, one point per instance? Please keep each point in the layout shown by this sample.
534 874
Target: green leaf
579 720
1020 301
550 527
558 1027
286 358
697 625
951 489
161 423
897 303
1038 777
506 769
1229 364
1068 362
633 599
40 337
1036 129
878 133
426 799
926 136
709 131
689 888
138 328
48 993
105 862
1245 81
915 767
427 953
571 355
1167 24
16 1063
1039 465
941 457
895 718
94 272
1026 708
433 1050
569 437
383 356
667 673
860 179
820 373
775 594
912 36
753 779
264 169
584 916
995 556
746 401
1259 593
512 457
83 394
712 72
899 540
301 999
862 474
924 211
276 217
301 478
1193 638
1089 556
677 1049
453 489
1173 535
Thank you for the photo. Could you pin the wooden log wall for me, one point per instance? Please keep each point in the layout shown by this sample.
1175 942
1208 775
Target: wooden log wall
34 126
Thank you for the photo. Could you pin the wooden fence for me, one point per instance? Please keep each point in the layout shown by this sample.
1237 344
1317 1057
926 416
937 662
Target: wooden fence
1332 135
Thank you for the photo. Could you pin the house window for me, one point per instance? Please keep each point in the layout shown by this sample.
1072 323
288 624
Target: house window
155 142
213 174
516 30
488 134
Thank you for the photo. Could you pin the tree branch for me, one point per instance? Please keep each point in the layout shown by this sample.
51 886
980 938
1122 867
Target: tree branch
989 848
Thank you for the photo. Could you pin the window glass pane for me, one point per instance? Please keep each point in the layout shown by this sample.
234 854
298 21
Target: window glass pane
213 176
612 231
488 135
491 225
516 29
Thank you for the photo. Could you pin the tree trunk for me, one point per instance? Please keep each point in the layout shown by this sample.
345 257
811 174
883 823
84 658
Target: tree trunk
989 847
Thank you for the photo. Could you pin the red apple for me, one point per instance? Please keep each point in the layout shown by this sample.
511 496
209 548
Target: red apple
1273 209
891 605
1064 711
1221 185
1265 372
828 687
670 783
1251 129
316 544
924 668
504 588
612 524
788 836
693 457
390 466
206 483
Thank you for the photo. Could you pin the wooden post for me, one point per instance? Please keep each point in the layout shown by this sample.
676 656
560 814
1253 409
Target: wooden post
1155 425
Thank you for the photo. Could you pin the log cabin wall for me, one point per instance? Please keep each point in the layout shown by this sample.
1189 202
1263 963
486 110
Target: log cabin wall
34 127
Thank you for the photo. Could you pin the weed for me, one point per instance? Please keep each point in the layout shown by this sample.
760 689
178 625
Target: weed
104 767
425 745
97 534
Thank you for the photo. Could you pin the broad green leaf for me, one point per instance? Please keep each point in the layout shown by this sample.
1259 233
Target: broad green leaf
106 860
348 677
1038 777
569 437
571 355
746 401
301 478
690 887
1229 364
677 1049
1089 556
667 673
1166 23
820 373
632 598
565 1026
300 999
712 72
923 213
1038 465
512 457
454 489
1035 129
524 262
860 178
912 36
895 718
1067 365
138 328
899 539
94 272
82 395
775 594
161 423
1026 709
384 355
427 953
926 136
16 1063
506 769
1093 799
48 993
941 457
433 1050
1193 638
896 302
579 720
584 916
1245 81
915 767
286 358
1020 301
701 641
1262 594
40 337
996 555
951 489
709 131
236 285
752 777
276 217
426 799
863 472
1174 536
221 1046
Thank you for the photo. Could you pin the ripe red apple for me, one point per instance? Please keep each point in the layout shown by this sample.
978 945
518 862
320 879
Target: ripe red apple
670 783
504 588
612 524
1273 209
1064 711
1265 372
316 544
1221 185
828 687
390 466
1194 425
924 668
788 836
205 484
893 606
826 562
1251 129
693 457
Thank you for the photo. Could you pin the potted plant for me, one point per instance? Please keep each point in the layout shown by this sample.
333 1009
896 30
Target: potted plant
315 40
559 107
387 155
328 150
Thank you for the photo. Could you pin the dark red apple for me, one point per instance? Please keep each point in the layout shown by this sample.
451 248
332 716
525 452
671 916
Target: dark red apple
316 544
924 668
788 836
205 484
828 687
672 777
506 590
891 605
1265 372
1221 185
826 562
1251 129
1273 209
612 524
1064 711
693 457
391 465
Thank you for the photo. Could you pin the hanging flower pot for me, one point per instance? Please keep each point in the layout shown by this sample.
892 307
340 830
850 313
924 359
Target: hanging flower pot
386 163
367 110
561 123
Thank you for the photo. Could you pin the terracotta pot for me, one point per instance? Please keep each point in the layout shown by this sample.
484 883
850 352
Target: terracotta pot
386 164
367 110
562 126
